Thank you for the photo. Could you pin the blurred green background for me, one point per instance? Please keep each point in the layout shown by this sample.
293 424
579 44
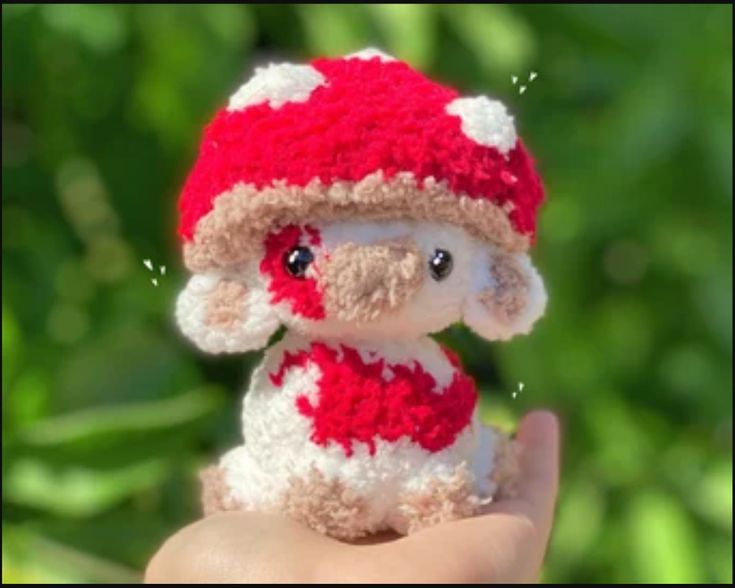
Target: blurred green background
108 413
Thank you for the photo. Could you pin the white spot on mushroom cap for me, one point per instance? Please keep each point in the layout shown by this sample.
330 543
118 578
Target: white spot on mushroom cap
369 53
277 84
485 121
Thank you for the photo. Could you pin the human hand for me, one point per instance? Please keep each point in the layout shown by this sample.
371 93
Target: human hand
505 544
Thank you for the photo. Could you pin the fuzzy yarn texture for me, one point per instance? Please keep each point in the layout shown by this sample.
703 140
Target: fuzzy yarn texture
302 295
356 401
369 115
322 196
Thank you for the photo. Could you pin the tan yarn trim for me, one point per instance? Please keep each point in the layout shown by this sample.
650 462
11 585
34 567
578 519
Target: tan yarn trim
327 506
442 501
233 231
215 492
226 305
362 283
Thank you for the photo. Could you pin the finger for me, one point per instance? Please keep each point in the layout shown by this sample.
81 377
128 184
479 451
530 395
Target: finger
538 436
509 542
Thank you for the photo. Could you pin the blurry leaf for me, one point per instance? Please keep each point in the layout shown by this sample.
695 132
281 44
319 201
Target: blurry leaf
713 497
100 27
719 554
31 558
648 123
334 29
191 64
12 10
624 331
687 370
129 363
120 420
496 412
117 437
77 491
687 248
578 520
714 297
563 215
230 22
129 536
11 345
29 395
501 40
663 541
623 449
73 283
408 30
717 144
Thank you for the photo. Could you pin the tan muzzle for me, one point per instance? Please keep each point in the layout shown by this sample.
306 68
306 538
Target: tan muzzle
362 283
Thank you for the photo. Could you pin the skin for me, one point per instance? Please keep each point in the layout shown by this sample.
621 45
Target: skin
507 544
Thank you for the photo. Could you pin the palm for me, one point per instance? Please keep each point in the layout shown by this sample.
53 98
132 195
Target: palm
507 544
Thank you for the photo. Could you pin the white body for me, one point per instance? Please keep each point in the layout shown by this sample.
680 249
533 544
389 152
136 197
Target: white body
369 290
278 445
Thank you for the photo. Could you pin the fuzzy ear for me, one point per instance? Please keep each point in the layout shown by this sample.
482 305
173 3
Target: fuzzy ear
508 296
222 315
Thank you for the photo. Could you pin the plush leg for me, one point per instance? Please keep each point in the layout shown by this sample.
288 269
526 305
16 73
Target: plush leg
215 493
327 506
437 500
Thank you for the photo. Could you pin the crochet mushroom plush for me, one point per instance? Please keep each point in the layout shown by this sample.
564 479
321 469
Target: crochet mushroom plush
363 207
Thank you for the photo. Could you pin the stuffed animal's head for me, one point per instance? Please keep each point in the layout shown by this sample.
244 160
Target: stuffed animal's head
355 198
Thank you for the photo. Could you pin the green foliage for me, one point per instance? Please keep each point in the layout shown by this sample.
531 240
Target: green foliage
107 413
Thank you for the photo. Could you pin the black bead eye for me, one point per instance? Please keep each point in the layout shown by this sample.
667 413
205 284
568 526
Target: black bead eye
440 264
297 260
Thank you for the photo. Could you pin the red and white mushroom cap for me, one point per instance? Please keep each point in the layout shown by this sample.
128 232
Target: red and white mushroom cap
362 136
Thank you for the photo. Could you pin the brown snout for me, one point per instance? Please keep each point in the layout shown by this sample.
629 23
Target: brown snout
362 283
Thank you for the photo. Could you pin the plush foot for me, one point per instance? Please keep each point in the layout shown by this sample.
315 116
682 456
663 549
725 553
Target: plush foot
438 501
327 506
215 493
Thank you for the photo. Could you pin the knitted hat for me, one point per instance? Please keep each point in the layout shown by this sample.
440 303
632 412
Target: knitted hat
362 136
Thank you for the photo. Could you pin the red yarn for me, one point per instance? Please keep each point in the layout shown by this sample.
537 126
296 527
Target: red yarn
370 116
357 403
452 356
289 360
302 294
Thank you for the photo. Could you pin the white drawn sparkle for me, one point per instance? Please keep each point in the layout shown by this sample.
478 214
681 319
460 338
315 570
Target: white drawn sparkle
161 268
523 87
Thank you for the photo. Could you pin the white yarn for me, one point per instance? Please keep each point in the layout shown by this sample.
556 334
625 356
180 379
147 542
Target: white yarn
485 121
277 85
492 326
369 53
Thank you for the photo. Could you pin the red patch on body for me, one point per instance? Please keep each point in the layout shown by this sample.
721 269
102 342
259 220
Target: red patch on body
356 403
302 294
369 116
